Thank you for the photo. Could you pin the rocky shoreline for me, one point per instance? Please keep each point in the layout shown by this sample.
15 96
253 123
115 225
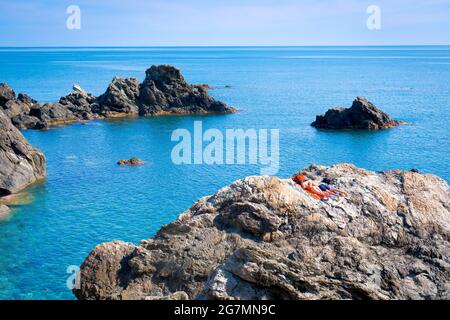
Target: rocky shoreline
20 163
164 91
266 238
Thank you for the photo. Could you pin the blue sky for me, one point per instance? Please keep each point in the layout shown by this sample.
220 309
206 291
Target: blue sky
226 22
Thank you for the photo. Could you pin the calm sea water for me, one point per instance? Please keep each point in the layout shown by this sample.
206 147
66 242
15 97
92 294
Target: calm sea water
87 199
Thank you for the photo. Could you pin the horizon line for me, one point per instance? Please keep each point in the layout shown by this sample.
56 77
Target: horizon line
233 46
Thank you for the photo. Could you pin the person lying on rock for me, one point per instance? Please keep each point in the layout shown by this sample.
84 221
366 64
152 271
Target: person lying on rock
326 185
322 191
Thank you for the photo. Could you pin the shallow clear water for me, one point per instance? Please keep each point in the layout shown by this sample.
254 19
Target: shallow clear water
87 199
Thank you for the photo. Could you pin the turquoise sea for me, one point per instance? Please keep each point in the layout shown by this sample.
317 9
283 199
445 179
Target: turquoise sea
87 199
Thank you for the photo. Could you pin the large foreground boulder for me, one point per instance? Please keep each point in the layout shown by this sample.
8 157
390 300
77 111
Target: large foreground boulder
361 115
266 238
20 163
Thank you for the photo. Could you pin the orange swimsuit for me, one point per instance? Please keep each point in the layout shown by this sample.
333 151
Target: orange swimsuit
311 188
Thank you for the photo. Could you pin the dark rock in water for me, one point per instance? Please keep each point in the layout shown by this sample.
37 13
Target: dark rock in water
267 238
20 163
79 102
53 114
361 115
131 162
18 109
165 91
119 99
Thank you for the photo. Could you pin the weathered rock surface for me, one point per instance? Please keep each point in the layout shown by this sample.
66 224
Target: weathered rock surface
164 91
120 98
20 163
361 115
79 102
52 114
14 107
266 238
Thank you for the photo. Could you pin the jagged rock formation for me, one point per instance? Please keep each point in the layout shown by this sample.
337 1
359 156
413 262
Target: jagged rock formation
361 115
79 102
266 238
120 98
164 91
20 163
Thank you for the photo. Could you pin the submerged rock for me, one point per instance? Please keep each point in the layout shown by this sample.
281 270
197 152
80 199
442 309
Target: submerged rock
4 211
20 163
361 115
18 199
266 238
130 162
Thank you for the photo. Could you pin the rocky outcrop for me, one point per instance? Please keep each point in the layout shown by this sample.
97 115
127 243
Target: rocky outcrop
52 114
266 238
119 99
164 91
6 94
17 108
79 102
20 163
361 115
131 162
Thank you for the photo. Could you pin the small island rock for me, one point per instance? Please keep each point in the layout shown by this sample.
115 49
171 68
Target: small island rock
361 115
